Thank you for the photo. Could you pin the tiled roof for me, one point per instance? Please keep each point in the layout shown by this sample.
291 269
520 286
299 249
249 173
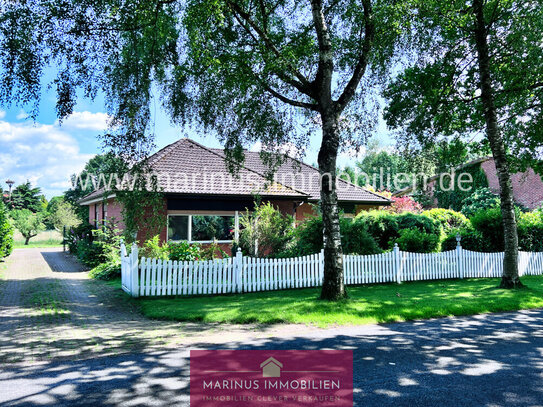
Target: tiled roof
186 167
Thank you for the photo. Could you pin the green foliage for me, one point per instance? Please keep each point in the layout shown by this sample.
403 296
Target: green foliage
102 247
265 231
184 251
470 240
63 214
355 239
480 199
385 227
448 219
530 231
451 193
489 223
6 233
414 240
26 222
106 271
24 196
154 249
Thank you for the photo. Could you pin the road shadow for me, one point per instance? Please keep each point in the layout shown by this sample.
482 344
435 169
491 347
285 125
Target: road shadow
487 360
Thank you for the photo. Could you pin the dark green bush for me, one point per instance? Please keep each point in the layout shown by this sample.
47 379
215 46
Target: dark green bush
470 240
480 199
106 271
385 227
354 238
417 241
530 231
488 222
6 233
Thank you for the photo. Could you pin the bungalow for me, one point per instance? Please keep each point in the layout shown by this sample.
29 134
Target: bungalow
200 192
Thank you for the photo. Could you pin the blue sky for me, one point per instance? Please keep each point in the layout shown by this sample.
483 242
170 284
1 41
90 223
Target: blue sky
47 152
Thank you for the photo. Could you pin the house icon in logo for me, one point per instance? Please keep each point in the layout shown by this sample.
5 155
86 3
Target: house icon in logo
271 367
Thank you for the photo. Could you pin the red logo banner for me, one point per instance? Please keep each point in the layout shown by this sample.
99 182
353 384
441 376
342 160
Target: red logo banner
228 378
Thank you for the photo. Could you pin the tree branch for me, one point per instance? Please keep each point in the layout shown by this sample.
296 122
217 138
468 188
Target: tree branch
360 67
302 84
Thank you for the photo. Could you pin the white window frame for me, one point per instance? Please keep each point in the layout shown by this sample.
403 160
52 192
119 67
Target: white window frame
235 214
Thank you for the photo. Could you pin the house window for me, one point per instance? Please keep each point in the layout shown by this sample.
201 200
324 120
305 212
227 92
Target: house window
202 227
96 216
178 227
212 227
104 213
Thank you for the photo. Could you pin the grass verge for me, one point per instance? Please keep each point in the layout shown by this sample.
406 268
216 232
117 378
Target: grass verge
366 305
46 238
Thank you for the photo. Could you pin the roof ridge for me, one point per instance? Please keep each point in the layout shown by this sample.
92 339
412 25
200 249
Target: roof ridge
341 179
245 167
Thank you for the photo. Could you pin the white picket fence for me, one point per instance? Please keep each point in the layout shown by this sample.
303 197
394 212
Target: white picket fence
152 277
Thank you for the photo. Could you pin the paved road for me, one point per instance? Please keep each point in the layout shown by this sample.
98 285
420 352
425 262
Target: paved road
488 360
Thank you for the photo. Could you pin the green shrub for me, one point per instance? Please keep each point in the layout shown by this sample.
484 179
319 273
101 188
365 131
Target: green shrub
154 249
530 231
480 199
417 241
355 239
265 232
6 233
106 271
104 247
448 219
184 251
470 240
385 227
488 222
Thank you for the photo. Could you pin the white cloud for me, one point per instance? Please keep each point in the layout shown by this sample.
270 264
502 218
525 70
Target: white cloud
85 121
21 115
2 114
44 154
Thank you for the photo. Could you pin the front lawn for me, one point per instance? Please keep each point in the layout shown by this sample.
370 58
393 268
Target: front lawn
367 304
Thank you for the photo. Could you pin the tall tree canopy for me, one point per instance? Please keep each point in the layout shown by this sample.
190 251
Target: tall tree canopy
247 70
25 196
479 73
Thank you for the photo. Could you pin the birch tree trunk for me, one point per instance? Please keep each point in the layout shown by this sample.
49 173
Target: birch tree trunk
510 277
333 286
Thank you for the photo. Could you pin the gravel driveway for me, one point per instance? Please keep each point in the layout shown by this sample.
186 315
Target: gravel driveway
50 309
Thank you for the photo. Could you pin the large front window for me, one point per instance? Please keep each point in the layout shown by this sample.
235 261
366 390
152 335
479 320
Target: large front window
202 228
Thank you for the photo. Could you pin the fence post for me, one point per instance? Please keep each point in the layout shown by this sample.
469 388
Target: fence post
397 263
321 266
238 269
134 271
459 257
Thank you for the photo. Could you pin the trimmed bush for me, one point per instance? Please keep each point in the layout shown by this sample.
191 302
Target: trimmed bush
385 227
417 241
448 219
488 222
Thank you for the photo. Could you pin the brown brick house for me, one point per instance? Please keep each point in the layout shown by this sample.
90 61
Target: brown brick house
199 190
527 185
